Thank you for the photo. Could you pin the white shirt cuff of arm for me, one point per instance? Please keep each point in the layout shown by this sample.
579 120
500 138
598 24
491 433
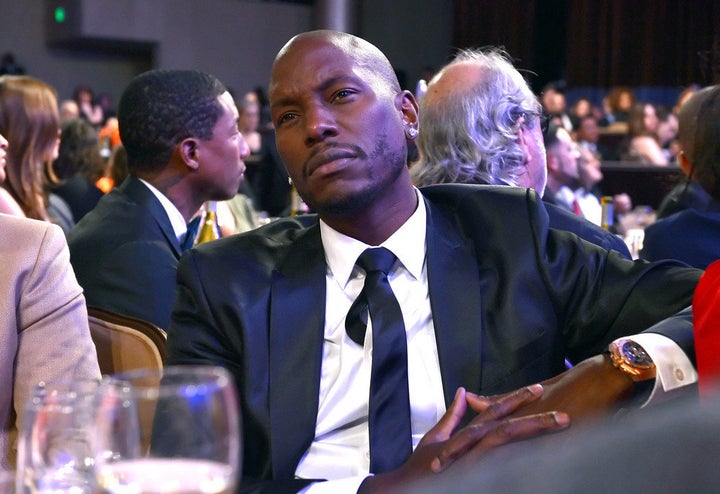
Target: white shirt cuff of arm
674 369
349 485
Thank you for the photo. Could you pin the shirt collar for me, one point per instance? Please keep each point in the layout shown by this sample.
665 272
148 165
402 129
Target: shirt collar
176 218
407 243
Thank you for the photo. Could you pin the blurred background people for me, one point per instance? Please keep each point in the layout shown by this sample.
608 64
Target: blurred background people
587 135
688 193
643 143
90 110
68 110
693 234
616 107
562 168
79 166
554 103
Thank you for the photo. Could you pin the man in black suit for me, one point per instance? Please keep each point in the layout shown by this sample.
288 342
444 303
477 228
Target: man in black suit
492 299
183 146
471 134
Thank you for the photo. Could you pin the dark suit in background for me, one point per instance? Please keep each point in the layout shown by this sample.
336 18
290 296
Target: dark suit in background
562 219
125 254
691 236
510 298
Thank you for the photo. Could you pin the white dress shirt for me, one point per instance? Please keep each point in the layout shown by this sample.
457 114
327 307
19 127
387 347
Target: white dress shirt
341 448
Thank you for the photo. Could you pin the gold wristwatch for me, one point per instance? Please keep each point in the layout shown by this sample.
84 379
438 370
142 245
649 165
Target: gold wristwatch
632 359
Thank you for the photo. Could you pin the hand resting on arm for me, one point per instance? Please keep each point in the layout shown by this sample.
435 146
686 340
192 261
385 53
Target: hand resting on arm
445 443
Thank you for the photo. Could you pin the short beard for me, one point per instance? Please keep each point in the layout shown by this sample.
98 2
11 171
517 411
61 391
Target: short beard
348 204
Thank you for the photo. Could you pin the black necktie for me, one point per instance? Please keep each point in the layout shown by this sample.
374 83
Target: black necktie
389 404
192 229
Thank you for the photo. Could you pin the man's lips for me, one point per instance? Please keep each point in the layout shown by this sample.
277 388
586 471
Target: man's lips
324 157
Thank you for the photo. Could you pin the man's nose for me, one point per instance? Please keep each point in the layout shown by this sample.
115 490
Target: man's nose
320 124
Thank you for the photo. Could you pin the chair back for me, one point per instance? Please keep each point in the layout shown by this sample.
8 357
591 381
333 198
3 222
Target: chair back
125 343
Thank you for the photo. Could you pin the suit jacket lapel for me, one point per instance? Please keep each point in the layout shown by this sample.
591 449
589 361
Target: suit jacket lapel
455 300
138 192
297 316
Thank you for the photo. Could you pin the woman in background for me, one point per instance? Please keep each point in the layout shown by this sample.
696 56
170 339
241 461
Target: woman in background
643 142
30 122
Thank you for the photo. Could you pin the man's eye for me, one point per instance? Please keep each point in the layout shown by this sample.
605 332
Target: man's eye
342 94
285 117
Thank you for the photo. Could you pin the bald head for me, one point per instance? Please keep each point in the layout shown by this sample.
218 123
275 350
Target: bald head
469 124
325 43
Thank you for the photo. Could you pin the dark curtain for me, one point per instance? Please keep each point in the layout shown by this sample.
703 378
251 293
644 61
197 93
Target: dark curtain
599 43
507 23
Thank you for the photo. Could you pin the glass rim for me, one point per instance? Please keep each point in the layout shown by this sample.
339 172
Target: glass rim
218 376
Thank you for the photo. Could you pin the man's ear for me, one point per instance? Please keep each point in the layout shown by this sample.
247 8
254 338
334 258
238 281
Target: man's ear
189 153
407 104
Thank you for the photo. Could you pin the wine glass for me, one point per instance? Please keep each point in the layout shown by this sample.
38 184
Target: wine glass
7 481
56 441
172 430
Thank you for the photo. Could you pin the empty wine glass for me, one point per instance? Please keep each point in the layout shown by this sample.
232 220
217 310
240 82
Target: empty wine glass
56 442
173 430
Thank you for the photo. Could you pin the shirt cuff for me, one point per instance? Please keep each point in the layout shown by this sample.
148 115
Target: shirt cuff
673 367
348 485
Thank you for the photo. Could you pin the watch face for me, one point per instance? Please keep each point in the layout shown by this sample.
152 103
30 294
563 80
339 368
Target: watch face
635 354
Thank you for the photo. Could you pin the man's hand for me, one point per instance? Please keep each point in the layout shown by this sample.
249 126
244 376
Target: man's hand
445 444
589 390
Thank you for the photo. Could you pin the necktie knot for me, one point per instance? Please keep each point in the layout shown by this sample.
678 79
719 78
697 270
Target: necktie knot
192 229
376 259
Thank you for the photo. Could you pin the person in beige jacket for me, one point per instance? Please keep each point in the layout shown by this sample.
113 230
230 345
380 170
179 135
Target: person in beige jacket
44 334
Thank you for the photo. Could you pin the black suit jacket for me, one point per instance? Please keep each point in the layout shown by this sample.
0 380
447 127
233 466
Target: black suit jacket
563 219
510 298
125 254
691 236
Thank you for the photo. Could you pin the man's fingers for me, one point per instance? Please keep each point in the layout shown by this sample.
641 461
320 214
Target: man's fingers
506 404
449 421
482 436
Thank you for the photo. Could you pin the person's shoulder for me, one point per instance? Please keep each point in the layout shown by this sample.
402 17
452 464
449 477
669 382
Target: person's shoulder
687 221
274 236
14 228
562 219
457 193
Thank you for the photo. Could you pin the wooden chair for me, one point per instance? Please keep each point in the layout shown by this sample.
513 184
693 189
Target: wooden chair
124 343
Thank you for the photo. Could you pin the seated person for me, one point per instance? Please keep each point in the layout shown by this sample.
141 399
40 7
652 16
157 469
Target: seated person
643 143
44 335
485 147
125 251
78 167
688 193
443 293
693 235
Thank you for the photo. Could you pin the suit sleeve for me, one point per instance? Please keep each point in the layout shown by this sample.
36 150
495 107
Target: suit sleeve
54 338
599 293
